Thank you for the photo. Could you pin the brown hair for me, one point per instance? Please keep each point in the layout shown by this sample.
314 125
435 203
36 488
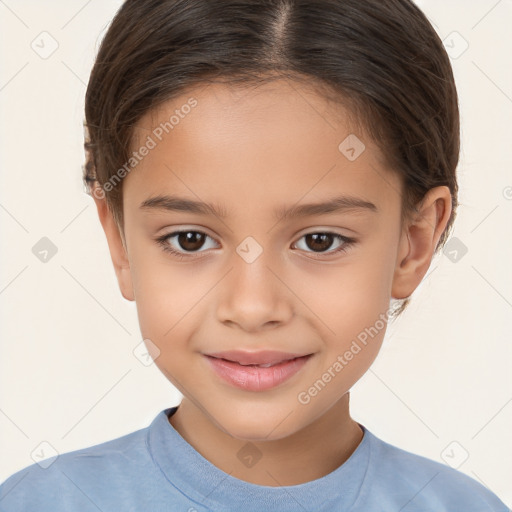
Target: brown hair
381 58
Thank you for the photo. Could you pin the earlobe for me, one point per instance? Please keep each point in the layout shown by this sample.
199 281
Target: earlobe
118 251
418 241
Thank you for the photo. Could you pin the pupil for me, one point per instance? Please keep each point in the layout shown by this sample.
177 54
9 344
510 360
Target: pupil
324 239
189 238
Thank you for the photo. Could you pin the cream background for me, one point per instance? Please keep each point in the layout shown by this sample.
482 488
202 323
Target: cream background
68 375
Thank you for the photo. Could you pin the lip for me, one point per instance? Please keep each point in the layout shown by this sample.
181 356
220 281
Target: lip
260 357
256 378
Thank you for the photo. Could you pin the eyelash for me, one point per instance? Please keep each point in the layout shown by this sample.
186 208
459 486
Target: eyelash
163 242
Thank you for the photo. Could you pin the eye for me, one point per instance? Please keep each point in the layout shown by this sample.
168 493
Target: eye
186 243
321 241
183 242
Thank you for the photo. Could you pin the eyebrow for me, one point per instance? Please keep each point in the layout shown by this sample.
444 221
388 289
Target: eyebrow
335 205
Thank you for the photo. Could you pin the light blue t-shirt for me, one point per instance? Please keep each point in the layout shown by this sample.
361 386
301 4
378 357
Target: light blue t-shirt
155 470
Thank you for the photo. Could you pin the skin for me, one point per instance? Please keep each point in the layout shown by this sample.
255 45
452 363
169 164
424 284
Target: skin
253 150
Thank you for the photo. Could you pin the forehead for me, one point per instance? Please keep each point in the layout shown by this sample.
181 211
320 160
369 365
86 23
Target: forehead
278 142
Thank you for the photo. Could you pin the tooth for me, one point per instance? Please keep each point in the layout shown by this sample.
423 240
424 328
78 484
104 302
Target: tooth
266 365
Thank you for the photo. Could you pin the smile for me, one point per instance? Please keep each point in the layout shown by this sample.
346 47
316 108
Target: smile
256 377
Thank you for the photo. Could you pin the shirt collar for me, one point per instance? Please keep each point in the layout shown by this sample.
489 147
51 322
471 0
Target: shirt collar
205 484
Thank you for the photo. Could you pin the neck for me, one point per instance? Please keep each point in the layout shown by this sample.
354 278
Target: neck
308 454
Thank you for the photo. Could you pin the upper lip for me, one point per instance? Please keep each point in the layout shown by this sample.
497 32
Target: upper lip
260 357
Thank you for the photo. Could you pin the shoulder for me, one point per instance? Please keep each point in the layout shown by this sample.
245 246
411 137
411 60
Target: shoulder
412 482
76 480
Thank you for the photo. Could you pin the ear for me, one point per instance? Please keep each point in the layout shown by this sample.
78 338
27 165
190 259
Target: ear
116 244
419 239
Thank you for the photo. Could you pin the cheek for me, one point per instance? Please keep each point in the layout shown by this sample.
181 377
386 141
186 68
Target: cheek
342 299
166 294
348 295
350 305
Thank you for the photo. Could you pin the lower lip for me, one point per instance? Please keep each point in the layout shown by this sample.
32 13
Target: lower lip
255 378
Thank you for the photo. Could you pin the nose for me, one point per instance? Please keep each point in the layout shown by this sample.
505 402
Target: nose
252 297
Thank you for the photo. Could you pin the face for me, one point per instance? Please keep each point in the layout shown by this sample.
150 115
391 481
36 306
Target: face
246 277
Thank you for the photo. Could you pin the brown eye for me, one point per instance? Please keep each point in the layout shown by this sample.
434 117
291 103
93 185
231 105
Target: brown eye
319 241
185 243
190 240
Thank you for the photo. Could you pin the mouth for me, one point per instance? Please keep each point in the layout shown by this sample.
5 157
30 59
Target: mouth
261 365
262 358
258 371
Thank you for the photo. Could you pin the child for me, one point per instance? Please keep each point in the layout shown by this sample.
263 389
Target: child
310 148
